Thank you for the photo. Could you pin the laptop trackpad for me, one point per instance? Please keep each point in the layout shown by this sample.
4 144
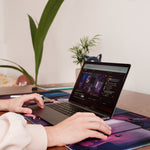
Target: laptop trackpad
49 115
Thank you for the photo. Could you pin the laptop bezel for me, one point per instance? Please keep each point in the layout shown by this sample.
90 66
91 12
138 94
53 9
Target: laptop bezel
107 115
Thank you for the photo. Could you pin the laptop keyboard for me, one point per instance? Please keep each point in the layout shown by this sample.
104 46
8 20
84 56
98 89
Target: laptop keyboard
66 108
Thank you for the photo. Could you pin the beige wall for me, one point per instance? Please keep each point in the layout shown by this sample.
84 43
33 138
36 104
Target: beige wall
124 24
2 43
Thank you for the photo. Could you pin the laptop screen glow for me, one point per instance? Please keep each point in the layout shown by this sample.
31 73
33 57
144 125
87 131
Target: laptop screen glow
99 85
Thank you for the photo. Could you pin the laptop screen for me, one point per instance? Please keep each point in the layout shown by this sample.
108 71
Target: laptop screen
99 85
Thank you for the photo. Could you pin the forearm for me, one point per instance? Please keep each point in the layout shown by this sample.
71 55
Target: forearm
17 134
4 105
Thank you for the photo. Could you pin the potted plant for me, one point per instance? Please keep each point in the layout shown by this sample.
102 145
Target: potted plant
82 49
38 35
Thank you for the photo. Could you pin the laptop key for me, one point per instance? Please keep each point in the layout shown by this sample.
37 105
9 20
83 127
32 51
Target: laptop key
66 108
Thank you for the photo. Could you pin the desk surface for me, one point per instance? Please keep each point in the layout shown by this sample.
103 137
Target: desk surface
132 101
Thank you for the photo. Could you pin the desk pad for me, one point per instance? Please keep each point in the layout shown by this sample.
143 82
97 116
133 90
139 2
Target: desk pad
129 130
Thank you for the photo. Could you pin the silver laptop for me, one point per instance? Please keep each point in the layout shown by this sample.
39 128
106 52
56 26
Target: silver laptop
96 90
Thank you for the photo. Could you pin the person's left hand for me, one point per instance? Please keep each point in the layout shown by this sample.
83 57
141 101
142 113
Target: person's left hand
16 104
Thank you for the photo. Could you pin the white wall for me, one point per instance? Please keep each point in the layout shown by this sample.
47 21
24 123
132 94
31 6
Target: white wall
2 42
3 50
124 24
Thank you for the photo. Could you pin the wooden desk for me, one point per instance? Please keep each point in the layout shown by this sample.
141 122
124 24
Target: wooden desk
132 101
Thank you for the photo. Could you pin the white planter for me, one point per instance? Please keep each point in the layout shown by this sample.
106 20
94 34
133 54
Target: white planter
77 71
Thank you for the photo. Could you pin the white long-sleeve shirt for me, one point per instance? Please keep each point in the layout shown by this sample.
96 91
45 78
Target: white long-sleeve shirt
16 134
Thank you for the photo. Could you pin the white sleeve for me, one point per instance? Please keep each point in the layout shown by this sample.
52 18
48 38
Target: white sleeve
16 134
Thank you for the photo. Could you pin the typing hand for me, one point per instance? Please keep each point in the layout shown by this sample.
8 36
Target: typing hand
76 128
16 104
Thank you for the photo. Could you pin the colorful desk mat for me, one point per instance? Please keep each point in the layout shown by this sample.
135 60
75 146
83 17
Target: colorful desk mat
129 130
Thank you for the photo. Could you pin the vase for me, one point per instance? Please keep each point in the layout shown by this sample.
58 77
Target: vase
77 71
23 80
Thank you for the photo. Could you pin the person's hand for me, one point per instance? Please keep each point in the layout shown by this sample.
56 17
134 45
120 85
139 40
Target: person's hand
76 128
16 104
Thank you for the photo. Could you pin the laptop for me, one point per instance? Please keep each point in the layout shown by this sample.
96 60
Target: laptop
96 90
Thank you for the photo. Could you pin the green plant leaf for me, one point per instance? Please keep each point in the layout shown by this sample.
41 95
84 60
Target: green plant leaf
45 22
19 68
83 48
33 28
12 67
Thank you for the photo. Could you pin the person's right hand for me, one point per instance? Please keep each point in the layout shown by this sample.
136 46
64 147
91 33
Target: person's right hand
76 128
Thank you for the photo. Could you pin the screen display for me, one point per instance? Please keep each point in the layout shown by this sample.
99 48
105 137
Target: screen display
98 86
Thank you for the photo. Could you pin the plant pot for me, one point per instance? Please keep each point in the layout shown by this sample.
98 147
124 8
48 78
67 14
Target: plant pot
77 71
23 80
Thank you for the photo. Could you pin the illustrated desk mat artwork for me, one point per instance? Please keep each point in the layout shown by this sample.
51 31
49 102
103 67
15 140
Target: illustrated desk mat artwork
129 130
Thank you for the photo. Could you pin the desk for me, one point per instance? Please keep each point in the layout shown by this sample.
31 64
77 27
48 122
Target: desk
132 101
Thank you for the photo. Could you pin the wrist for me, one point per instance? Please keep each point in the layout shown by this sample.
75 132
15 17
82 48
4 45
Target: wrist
51 139
4 105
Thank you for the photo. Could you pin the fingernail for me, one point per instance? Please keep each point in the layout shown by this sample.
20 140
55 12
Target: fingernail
105 138
109 128
109 132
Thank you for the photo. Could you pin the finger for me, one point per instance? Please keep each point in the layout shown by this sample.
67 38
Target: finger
34 97
100 121
91 117
99 127
91 121
83 115
38 99
103 123
24 110
96 134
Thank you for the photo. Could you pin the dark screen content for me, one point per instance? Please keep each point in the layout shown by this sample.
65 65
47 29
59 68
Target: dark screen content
98 89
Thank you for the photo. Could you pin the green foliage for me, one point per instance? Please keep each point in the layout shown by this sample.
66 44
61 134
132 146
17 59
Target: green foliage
39 32
38 35
83 48
18 68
